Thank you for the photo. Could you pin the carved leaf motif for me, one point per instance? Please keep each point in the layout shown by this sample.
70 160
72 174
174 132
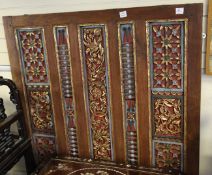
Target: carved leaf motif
167 114
96 79
40 109
168 155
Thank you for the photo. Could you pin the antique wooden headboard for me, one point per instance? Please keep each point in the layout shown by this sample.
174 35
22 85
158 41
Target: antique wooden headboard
120 85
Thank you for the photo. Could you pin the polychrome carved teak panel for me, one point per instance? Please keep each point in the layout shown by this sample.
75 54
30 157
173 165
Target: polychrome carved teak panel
167 117
167 65
127 57
34 63
167 155
167 56
93 45
45 146
97 86
40 108
63 58
35 70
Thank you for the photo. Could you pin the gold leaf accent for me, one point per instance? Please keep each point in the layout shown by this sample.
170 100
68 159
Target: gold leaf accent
97 93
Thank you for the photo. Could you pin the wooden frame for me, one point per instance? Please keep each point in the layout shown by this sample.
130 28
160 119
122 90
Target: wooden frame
209 40
192 12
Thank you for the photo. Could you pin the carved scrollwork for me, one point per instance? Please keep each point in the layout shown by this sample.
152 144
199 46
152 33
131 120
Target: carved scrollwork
40 108
14 93
167 117
97 91
45 147
168 155
167 63
2 110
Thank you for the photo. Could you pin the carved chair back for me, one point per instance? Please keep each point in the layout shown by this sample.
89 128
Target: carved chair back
13 145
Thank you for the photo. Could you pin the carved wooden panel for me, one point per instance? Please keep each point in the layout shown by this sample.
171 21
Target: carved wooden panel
86 167
95 65
167 52
45 146
35 70
168 155
97 86
167 46
33 55
168 120
40 108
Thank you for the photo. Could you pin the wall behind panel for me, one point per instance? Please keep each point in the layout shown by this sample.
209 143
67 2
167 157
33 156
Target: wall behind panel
14 7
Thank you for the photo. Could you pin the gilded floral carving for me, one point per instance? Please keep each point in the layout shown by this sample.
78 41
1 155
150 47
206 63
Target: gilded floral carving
95 63
167 64
168 155
45 147
35 70
40 108
167 117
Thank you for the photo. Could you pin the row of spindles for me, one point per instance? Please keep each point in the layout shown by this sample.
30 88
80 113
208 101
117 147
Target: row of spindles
129 93
64 63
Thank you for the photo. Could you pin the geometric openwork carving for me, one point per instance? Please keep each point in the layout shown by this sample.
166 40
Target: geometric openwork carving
35 71
166 53
167 57
33 55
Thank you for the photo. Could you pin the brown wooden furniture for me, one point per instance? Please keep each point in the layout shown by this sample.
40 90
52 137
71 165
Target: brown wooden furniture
209 41
14 145
68 166
122 88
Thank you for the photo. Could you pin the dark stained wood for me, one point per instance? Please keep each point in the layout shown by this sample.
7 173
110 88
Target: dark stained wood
86 166
193 90
9 120
142 93
55 91
18 144
115 85
82 123
20 150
